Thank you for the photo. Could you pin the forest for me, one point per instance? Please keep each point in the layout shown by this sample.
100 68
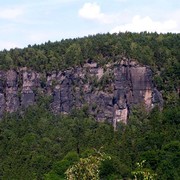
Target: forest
37 144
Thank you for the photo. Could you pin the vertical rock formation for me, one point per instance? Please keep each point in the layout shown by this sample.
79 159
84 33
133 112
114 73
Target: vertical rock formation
30 83
2 93
133 85
109 92
12 99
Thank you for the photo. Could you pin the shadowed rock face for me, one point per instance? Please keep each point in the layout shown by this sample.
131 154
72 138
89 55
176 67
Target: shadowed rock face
108 92
11 92
2 89
30 84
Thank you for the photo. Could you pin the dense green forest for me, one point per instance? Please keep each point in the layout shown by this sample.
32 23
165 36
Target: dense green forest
39 145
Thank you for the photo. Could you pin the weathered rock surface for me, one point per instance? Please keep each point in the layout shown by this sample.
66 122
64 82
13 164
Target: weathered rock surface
109 92
11 92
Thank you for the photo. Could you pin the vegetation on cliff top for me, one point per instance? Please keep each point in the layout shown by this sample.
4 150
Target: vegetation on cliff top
159 51
156 50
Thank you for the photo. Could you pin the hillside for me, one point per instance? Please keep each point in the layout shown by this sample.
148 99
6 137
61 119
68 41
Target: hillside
159 51
59 100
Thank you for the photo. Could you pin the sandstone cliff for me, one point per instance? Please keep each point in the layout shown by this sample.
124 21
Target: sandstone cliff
109 91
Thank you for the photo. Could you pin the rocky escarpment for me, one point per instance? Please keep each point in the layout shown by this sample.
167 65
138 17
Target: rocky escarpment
109 92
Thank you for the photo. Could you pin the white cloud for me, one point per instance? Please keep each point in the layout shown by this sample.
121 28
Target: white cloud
8 45
92 11
11 13
140 24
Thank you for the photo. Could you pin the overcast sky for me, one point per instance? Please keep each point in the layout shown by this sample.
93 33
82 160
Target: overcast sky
24 22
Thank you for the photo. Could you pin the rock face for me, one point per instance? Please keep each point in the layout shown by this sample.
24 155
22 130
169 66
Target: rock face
109 92
30 84
11 92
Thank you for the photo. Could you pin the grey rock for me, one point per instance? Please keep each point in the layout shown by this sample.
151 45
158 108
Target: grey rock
157 97
130 84
12 99
11 78
2 104
27 99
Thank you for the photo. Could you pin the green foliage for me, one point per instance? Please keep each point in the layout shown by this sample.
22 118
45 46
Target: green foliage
73 55
59 168
87 168
142 173
40 145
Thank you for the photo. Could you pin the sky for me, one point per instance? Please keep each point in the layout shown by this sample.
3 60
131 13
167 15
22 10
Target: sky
28 22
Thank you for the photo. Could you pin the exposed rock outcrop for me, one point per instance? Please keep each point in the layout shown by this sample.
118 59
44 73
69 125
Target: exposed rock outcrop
109 91
29 86
11 92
